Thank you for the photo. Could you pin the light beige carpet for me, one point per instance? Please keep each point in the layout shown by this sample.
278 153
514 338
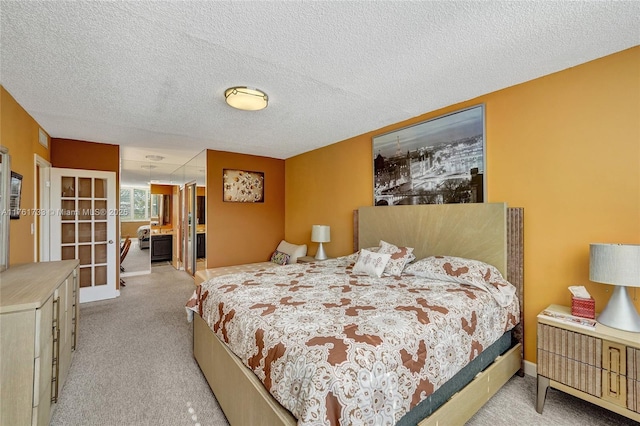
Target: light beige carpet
137 260
134 363
134 366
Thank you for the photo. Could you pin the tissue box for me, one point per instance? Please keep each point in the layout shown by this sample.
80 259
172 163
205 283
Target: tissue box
585 308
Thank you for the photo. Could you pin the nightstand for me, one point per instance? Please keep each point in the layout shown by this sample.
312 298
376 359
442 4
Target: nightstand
598 364
307 259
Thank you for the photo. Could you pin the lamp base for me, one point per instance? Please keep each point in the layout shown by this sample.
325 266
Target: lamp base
320 254
620 312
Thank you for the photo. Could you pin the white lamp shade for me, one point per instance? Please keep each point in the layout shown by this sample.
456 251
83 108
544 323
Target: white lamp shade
617 264
246 98
320 233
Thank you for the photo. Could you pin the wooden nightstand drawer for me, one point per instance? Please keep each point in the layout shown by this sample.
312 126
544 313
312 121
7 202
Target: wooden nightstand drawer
570 358
614 373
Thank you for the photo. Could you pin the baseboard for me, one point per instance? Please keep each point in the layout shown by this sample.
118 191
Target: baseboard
530 368
134 273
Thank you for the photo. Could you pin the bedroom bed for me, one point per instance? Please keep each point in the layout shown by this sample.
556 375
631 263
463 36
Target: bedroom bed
403 385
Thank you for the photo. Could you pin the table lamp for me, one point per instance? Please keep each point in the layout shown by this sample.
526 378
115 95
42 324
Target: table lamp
617 264
320 234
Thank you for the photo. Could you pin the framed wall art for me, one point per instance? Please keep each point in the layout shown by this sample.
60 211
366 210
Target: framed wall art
241 186
14 195
438 161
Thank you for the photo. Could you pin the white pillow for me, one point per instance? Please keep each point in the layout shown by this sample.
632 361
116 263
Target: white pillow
353 257
371 263
294 251
400 256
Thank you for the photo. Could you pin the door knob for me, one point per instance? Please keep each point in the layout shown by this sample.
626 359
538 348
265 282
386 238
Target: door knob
110 241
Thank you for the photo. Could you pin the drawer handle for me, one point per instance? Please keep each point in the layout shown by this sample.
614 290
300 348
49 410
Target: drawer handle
56 365
56 352
54 321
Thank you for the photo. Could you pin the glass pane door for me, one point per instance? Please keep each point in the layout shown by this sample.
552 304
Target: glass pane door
84 228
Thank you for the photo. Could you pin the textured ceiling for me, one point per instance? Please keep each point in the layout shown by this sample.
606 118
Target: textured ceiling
150 76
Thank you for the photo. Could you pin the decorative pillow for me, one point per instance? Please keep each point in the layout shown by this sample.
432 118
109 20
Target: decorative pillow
371 263
353 257
400 256
294 251
280 258
465 271
459 269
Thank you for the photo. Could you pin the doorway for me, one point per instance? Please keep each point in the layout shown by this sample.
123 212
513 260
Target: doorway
42 171
85 228
134 225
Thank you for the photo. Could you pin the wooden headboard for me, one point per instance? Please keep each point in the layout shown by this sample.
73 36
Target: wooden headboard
490 232
474 231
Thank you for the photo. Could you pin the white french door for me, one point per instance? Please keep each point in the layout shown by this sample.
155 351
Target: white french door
83 226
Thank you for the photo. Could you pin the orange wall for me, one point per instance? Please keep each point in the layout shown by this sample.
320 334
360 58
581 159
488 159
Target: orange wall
566 147
74 154
243 232
323 187
19 132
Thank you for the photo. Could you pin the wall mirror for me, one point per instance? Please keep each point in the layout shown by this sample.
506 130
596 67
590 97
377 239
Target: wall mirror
201 204
191 178
161 209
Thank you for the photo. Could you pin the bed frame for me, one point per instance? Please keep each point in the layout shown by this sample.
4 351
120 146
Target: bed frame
490 232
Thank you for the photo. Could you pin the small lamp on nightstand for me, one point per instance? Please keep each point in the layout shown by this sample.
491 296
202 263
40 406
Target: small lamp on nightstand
320 234
617 264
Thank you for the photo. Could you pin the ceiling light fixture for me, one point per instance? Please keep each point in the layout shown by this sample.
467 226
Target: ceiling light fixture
154 157
246 98
149 166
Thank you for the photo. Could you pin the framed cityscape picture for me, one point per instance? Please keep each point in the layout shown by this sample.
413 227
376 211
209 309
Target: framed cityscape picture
438 161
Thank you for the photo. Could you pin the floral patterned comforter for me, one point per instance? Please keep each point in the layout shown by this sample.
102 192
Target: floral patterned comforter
334 347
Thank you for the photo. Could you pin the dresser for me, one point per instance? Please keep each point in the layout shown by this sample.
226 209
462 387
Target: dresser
39 307
598 364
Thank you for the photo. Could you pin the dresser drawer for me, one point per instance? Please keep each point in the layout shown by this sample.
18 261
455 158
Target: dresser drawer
43 362
570 358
